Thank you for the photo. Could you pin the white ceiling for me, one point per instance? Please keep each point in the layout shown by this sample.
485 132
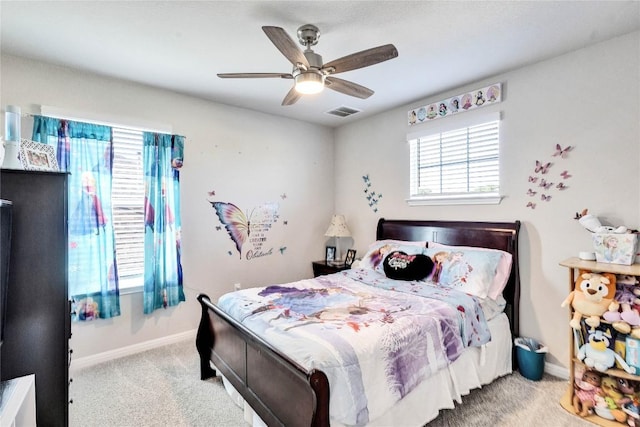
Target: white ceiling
181 45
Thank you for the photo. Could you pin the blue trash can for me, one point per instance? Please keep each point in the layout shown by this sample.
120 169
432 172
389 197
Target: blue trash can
530 354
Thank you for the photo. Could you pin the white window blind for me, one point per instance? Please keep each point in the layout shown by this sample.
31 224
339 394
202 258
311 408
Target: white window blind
127 201
456 164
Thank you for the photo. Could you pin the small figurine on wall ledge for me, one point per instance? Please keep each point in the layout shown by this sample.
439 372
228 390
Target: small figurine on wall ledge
592 224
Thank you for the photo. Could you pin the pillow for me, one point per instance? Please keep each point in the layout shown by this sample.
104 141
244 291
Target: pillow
503 270
469 271
400 266
372 260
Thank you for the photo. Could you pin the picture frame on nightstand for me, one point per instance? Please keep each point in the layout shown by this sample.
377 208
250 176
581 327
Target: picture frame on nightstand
350 257
330 254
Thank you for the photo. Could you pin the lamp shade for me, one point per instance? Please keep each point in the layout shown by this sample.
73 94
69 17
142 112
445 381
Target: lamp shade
338 227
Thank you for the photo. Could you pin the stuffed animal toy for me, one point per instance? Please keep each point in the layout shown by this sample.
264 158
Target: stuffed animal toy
587 386
591 297
611 394
622 314
592 224
597 354
628 390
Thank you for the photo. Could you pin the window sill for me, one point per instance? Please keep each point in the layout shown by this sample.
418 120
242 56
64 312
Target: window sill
131 285
130 290
489 199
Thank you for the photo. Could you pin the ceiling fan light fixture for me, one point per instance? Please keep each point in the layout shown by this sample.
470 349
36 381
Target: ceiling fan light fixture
309 82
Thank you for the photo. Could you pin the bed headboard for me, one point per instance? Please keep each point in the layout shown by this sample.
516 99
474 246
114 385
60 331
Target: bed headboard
494 235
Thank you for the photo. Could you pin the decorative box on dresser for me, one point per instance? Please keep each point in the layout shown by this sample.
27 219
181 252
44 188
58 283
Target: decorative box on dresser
38 320
574 265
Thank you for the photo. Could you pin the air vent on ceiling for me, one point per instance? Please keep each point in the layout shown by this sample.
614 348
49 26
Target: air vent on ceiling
343 111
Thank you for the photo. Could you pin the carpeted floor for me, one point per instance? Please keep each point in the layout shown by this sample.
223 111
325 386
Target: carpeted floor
161 387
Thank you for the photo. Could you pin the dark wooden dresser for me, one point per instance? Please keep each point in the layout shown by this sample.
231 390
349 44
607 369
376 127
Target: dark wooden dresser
38 320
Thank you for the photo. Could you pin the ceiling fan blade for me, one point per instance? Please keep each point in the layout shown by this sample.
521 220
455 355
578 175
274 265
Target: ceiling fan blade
286 45
348 88
254 75
291 97
362 59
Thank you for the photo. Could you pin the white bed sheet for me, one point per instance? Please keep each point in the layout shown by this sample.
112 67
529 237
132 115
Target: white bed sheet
473 369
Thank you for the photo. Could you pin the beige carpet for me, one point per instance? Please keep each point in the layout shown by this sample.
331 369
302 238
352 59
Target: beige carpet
161 387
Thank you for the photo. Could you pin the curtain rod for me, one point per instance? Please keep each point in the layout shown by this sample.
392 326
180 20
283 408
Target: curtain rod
119 122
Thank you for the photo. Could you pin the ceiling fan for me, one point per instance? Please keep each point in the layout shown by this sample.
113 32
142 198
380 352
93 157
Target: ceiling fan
309 73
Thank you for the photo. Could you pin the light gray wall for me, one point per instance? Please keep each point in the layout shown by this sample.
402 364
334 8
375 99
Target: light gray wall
247 158
589 99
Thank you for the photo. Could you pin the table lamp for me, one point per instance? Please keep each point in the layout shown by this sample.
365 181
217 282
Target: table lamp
338 228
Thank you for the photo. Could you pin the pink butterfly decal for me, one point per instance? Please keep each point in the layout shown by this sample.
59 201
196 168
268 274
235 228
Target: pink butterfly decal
235 221
545 198
533 178
561 186
542 168
531 205
562 152
545 184
565 175
531 192
283 196
212 193
240 226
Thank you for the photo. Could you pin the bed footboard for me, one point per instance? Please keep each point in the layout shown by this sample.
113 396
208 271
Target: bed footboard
277 388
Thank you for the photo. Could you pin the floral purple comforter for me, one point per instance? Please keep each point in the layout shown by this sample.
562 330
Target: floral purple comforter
375 338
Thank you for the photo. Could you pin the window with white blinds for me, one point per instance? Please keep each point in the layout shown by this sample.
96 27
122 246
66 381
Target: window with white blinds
127 199
456 165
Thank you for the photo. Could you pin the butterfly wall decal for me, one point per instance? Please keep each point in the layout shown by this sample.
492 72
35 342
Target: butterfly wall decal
283 196
546 185
531 205
542 168
565 175
371 196
282 249
533 178
545 198
239 225
530 192
562 152
211 193
561 186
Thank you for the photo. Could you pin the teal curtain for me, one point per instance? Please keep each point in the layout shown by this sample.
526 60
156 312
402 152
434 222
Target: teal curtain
85 151
162 159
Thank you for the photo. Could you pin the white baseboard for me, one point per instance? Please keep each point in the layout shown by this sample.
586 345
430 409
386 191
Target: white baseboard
556 370
106 356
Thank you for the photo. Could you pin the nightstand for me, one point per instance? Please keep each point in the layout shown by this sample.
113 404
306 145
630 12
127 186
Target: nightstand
321 268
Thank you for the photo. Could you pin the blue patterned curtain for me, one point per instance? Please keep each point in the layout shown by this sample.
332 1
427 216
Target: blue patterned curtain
86 152
162 159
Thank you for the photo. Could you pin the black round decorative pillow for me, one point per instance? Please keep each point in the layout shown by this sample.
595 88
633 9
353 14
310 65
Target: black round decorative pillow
400 266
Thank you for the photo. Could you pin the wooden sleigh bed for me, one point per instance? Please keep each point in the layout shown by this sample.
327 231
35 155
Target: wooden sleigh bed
279 390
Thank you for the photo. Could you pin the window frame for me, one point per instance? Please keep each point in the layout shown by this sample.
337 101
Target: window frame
457 123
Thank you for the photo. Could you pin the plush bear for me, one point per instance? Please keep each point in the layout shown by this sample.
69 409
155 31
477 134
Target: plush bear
591 297
622 313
